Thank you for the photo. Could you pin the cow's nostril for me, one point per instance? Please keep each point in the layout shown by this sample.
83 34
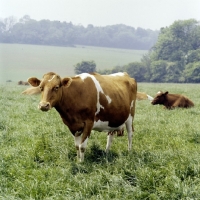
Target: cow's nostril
47 105
44 106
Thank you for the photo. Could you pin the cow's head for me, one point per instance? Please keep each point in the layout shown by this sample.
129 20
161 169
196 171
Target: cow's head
51 88
159 98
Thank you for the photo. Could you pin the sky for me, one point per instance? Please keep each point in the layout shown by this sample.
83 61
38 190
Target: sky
147 14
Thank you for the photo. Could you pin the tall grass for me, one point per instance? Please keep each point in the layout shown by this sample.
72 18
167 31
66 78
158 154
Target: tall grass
38 157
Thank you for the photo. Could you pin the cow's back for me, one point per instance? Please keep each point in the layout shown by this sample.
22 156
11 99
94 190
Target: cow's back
186 102
178 100
117 87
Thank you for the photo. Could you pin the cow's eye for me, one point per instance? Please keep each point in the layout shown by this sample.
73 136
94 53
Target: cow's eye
41 88
56 88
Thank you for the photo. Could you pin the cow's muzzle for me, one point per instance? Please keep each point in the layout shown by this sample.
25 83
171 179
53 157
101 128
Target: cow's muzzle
154 103
44 106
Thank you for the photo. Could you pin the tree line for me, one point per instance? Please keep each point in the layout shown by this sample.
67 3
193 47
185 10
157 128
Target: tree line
46 32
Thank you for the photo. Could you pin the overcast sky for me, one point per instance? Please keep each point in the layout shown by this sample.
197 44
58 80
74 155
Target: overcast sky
152 14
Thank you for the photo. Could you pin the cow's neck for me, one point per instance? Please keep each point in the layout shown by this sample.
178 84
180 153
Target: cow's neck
166 101
64 108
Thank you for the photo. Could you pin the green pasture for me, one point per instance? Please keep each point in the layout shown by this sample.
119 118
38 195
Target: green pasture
20 61
38 157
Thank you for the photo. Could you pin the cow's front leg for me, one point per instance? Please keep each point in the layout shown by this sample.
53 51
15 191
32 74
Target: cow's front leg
81 141
77 140
80 147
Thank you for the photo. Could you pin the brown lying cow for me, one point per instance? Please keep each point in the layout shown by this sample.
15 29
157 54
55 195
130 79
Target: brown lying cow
89 102
171 101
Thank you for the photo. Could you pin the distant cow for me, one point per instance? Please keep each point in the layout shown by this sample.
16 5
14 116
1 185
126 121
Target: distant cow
89 102
143 96
23 83
171 101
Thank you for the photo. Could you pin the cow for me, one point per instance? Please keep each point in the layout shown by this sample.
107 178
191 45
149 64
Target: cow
143 96
171 101
89 101
23 83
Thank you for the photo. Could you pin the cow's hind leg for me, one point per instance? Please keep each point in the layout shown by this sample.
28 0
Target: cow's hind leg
130 129
110 138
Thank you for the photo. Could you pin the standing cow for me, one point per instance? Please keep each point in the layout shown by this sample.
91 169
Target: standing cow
171 101
89 102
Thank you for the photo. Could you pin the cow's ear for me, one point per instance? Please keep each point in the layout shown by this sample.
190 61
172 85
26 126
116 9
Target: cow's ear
166 93
66 82
34 81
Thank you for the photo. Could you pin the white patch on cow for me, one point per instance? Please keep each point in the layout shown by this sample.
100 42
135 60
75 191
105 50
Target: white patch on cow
83 76
117 74
77 140
51 78
131 104
99 89
84 144
103 126
149 97
158 92
109 99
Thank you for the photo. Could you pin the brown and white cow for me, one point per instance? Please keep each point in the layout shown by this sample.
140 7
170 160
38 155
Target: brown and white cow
143 96
171 101
89 102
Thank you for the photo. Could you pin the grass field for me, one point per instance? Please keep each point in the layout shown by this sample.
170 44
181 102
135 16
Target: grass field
38 157
19 61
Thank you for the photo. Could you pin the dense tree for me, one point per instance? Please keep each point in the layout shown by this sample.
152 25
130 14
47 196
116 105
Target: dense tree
85 67
192 72
8 22
176 55
175 41
193 56
136 70
158 71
